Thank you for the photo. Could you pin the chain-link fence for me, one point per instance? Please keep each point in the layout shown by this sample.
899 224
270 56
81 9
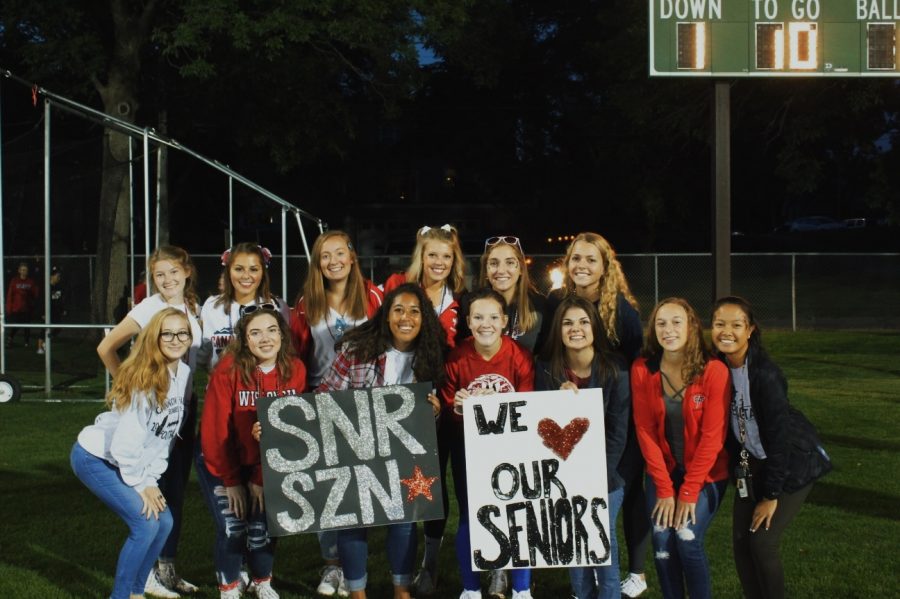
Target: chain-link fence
789 290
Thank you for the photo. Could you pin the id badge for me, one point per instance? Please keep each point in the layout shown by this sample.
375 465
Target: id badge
742 488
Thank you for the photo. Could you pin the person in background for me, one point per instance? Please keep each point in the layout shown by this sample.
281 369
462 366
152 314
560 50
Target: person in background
402 343
174 277
680 399
776 454
246 283
259 362
485 363
21 300
577 356
336 298
121 457
592 271
57 305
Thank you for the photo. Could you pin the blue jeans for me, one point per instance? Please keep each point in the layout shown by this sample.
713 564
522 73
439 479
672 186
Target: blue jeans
520 579
235 536
353 548
145 537
328 544
602 582
679 554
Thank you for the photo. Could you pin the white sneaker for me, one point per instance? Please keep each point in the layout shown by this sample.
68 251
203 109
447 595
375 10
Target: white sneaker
634 585
526 594
167 576
424 582
234 593
498 585
470 595
156 588
333 582
40 351
262 590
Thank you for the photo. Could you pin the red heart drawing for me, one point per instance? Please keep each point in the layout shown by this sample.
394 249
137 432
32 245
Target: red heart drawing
562 441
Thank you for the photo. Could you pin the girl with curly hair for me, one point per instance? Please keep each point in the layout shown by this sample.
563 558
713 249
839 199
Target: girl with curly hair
402 343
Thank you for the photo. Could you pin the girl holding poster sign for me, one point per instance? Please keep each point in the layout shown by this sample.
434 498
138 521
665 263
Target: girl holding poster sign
122 456
487 362
681 398
259 362
402 343
577 356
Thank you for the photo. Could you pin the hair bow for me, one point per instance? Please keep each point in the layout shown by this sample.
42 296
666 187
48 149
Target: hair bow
446 228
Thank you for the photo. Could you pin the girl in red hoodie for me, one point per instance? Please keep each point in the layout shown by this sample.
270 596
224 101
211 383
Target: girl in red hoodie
258 362
681 399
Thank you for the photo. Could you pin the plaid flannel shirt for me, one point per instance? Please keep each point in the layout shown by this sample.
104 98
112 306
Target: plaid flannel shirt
347 373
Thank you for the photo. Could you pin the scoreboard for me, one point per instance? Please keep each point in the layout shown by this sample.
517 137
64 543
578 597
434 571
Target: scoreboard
774 38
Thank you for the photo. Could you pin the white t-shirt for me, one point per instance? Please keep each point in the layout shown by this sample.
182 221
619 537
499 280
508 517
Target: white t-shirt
218 326
325 334
398 367
147 309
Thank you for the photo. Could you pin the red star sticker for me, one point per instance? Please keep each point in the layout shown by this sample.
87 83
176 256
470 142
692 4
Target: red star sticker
418 484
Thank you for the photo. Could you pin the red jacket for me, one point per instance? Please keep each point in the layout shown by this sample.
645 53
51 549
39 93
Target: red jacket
21 296
448 317
510 370
705 411
228 416
300 326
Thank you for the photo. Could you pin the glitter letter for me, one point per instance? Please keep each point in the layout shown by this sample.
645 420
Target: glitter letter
368 485
307 515
599 502
390 421
484 518
330 518
331 416
274 458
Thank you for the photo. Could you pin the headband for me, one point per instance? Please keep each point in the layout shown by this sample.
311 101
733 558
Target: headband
266 254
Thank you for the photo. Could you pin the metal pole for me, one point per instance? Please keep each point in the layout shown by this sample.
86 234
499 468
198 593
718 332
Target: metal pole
655 279
147 205
284 266
721 221
2 272
131 214
230 211
794 292
47 383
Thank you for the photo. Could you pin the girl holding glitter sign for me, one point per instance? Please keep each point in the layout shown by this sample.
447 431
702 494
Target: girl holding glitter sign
336 298
402 343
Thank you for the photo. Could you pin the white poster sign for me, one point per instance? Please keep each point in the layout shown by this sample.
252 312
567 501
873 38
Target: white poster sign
536 473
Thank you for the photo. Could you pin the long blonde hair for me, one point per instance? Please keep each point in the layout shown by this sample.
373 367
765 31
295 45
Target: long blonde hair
525 311
145 369
612 282
314 288
696 353
444 234
176 254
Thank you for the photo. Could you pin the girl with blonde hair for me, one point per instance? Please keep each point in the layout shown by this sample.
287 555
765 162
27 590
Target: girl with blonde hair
122 456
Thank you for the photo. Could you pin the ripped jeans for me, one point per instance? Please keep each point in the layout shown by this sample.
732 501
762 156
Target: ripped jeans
235 537
680 555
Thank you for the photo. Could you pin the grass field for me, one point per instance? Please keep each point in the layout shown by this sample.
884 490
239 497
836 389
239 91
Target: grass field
58 541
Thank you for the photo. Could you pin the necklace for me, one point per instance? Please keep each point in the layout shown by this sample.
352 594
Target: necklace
341 324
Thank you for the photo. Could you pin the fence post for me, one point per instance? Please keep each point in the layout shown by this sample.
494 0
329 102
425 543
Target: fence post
47 383
794 292
655 279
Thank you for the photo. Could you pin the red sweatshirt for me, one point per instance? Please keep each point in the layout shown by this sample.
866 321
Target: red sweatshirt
228 416
510 370
448 317
705 411
21 296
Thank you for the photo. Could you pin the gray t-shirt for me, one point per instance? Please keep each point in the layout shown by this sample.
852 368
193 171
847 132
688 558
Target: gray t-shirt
741 405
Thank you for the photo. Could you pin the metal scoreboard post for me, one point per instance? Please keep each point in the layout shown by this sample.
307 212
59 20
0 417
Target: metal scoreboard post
774 38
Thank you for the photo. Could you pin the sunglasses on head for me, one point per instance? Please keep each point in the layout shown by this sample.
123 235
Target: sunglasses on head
245 310
507 239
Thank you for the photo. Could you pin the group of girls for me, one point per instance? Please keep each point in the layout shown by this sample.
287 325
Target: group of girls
668 402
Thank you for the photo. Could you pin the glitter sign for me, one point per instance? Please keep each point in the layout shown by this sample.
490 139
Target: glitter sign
345 459
536 473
